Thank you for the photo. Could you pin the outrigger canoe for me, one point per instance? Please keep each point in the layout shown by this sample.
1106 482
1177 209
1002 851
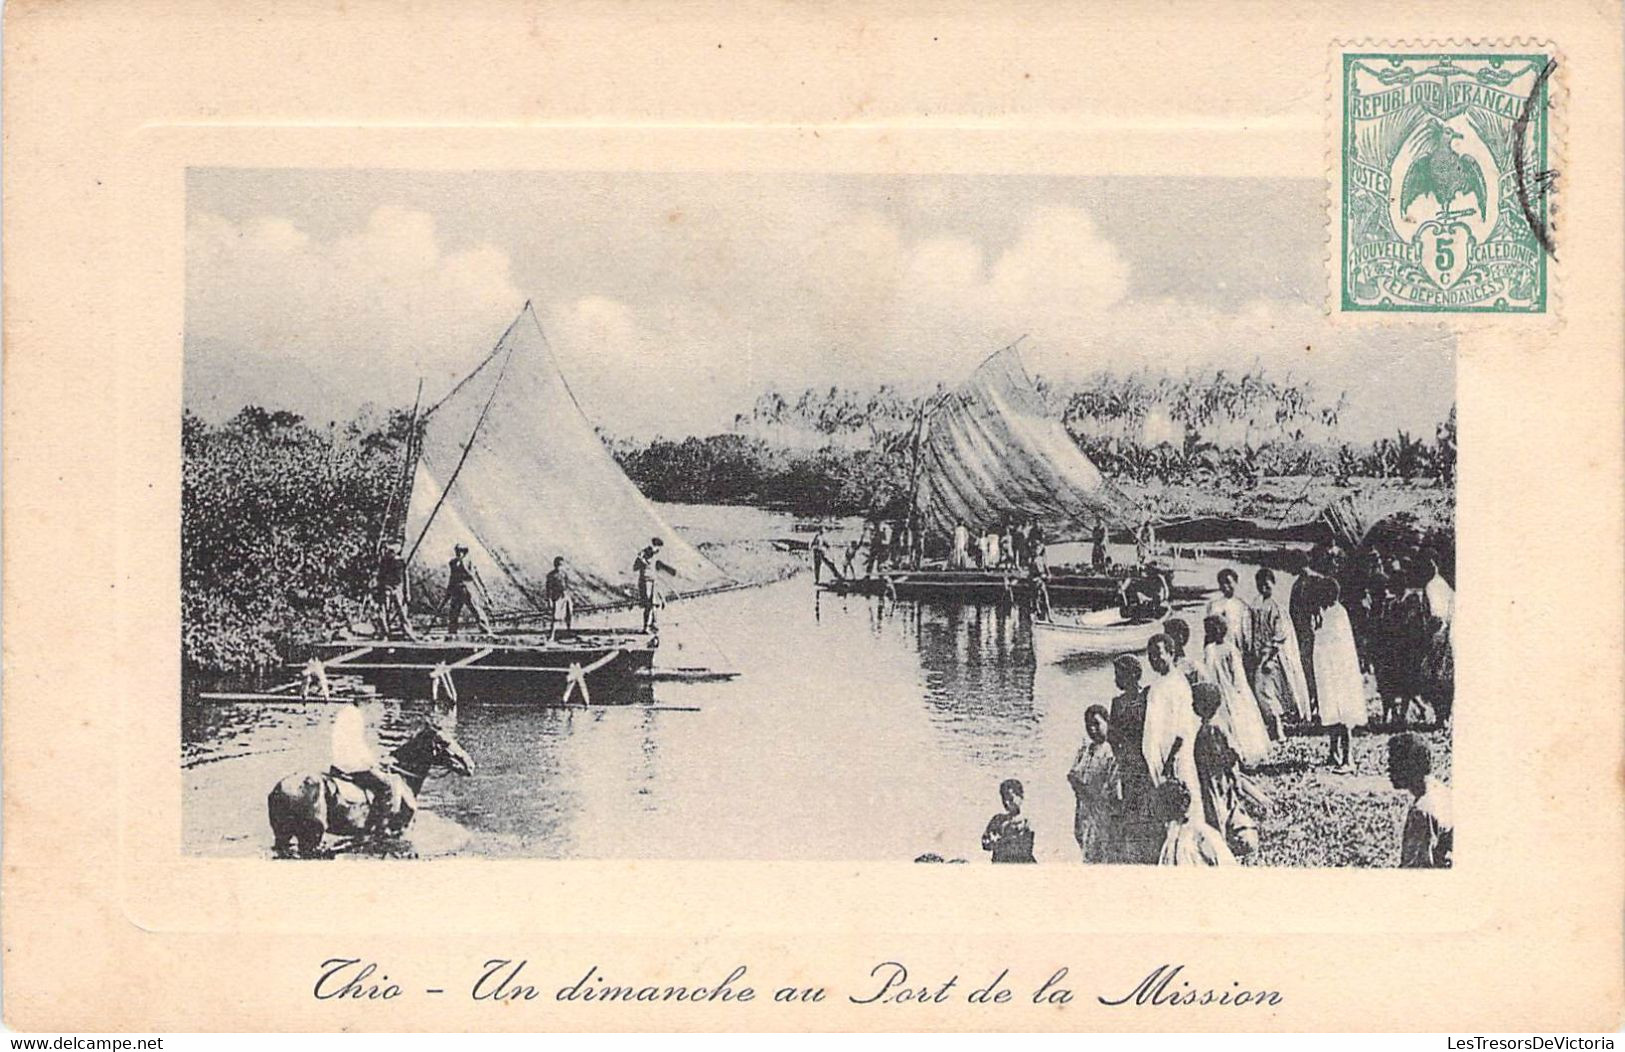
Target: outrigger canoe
527 669
506 470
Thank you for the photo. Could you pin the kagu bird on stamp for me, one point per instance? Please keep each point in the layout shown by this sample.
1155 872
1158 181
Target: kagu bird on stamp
1444 193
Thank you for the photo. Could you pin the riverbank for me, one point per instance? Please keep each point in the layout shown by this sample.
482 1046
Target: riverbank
753 562
1288 499
1324 817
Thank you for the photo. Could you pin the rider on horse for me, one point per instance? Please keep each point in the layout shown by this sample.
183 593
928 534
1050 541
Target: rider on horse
354 758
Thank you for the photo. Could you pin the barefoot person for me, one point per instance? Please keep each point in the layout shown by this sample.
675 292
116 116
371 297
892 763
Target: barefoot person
820 557
1337 675
561 604
1170 722
1142 831
1303 605
1145 542
1430 826
959 558
1097 820
1278 680
1097 545
1219 775
1008 836
464 588
1238 714
391 594
646 565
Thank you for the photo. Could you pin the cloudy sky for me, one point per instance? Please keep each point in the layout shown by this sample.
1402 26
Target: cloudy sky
673 300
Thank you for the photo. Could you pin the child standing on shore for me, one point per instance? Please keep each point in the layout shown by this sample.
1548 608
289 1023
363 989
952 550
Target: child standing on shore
1430 827
1097 821
1239 712
1219 776
1008 835
1190 841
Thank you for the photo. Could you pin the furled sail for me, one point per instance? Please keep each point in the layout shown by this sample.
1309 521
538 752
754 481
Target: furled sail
990 454
510 466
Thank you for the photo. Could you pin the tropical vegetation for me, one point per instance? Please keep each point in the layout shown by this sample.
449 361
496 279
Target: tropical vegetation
280 517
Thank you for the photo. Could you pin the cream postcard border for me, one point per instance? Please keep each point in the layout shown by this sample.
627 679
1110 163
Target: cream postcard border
1523 933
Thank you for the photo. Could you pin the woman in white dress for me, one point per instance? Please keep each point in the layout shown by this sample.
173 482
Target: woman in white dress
1238 715
1338 682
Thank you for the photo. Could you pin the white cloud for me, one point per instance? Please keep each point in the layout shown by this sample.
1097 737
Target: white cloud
681 316
327 325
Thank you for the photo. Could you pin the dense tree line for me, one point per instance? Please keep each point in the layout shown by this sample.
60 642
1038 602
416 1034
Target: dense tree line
280 518
279 522
739 469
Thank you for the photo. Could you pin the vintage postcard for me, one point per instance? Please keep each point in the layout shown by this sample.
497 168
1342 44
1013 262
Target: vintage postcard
567 549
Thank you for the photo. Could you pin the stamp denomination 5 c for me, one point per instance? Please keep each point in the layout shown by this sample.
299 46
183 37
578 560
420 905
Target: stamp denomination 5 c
1445 181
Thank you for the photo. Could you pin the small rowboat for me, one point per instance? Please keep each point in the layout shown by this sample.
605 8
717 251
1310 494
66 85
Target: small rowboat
1103 633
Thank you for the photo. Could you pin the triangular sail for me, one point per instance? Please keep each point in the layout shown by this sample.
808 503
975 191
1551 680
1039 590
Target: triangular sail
990 454
511 467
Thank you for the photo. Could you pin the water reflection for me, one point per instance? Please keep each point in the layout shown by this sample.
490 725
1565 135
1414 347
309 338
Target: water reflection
860 728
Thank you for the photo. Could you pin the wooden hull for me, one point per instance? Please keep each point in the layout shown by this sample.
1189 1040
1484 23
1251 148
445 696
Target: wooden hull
586 668
1104 634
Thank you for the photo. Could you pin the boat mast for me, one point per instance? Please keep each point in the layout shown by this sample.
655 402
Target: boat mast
386 525
474 433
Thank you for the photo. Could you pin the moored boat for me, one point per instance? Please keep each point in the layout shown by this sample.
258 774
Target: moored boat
576 668
1102 633
1085 591
507 469
991 464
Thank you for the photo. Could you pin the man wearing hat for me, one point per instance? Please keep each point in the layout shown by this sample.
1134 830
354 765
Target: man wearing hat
647 562
391 595
465 589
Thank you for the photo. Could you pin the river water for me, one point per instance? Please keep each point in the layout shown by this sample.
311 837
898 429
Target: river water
859 729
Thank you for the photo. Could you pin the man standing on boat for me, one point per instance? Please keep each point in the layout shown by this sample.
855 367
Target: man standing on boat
391 595
561 605
1145 542
1097 539
646 564
960 559
465 588
820 557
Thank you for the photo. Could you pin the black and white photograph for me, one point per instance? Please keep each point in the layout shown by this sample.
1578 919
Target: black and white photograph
712 519
1023 519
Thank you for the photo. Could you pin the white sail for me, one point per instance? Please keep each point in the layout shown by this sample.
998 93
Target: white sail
510 466
991 455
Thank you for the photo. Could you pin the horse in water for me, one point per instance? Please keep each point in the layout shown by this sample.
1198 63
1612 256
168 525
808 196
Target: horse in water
304 808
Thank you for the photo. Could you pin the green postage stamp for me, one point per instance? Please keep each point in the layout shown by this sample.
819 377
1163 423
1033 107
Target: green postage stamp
1445 181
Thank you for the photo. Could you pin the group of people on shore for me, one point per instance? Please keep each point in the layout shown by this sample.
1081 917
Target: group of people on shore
1166 773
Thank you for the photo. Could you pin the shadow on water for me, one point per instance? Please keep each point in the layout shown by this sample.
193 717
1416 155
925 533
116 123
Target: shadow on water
429 836
907 713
